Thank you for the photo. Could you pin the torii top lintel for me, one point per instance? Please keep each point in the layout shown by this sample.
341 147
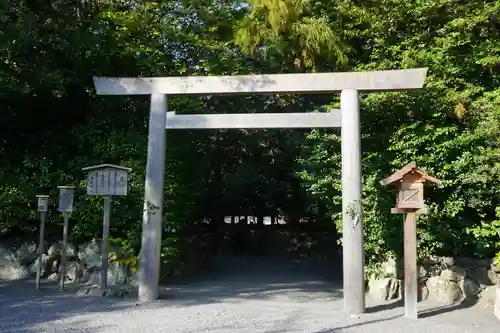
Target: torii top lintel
400 174
389 80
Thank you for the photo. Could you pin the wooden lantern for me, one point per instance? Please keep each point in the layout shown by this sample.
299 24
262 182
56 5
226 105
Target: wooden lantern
409 182
43 203
66 198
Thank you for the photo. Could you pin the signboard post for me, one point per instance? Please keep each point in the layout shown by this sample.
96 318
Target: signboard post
106 180
409 182
66 198
43 207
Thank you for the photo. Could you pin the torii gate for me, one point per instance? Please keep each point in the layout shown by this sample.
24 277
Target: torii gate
348 118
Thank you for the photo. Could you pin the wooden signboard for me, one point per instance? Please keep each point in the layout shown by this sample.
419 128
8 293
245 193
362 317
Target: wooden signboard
107 179
409 182
66 198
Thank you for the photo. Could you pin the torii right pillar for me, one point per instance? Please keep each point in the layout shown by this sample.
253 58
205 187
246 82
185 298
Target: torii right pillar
352 212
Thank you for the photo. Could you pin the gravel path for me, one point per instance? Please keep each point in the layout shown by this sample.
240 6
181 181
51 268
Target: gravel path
244 295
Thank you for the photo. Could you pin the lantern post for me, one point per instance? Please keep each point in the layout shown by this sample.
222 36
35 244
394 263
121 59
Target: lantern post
409 182
66 198
43 207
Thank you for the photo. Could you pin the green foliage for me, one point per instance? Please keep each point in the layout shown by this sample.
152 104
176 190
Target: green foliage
450 128
53 124
123 252
488 235
289 29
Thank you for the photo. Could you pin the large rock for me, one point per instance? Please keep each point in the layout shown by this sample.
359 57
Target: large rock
11 267
390 268
117 275
493 277
13 271
443 290
54 277
75 271
470 288
55 250
384 289
455 274
49 265
447 261
444 262
430 267
34 267
26 249
472 275
27 253
90 253
422 272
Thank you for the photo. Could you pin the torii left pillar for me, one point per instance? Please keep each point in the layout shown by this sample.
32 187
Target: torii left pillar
149 261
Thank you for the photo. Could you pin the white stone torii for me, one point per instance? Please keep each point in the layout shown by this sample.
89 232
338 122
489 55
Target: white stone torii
349 84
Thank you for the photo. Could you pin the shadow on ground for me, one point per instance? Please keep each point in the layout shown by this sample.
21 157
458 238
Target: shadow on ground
435 311
233 279
241 278
22 307
301 293
426 308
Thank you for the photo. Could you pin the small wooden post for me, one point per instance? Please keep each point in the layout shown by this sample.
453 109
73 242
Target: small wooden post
66 198
43 207
410 266
106 180
410 201
62 268
105 239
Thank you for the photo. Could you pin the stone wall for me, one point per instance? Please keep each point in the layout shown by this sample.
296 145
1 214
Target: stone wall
83 264
442 280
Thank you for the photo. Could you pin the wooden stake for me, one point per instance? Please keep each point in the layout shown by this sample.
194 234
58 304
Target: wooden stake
410 273
62 269
43 216
105 239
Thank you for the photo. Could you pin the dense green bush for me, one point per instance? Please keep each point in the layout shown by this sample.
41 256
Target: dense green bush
53 124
